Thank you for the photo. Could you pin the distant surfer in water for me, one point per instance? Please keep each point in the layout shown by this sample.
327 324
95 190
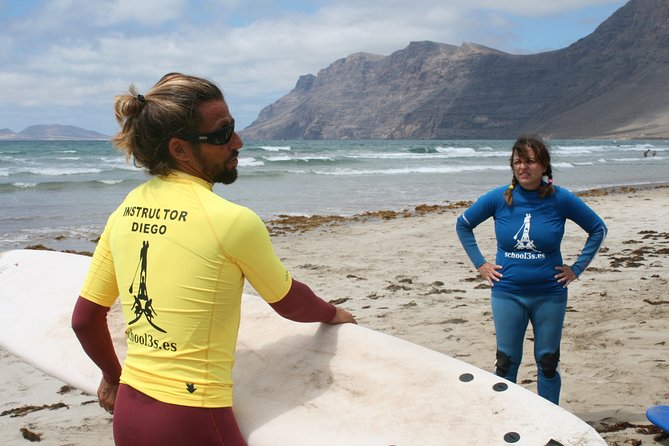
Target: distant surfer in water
181 300
529 279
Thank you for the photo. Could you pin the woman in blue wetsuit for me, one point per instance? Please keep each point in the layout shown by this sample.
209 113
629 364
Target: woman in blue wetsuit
529 280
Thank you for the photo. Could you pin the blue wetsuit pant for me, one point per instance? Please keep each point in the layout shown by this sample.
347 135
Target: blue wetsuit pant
511 314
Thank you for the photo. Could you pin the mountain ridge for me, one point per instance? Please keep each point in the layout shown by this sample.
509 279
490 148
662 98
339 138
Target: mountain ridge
52 132
609 84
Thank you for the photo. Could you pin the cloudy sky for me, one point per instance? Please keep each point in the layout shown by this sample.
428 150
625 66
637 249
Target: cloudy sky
63 61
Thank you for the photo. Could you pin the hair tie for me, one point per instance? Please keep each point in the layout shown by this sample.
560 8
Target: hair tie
141 98
510 186
550 181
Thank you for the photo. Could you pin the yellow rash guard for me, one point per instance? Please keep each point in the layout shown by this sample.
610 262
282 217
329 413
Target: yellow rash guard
177 255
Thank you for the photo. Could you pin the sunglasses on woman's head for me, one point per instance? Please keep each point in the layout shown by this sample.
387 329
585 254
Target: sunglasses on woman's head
218 137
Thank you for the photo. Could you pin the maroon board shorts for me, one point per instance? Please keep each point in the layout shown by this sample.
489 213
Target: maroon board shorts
142 420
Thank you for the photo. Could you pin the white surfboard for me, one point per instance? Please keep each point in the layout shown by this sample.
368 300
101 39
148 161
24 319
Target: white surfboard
300 384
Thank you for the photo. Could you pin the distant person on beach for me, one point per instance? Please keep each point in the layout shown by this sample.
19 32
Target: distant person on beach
529 279
178 256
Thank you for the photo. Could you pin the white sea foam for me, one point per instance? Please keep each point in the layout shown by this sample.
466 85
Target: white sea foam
250 162
407 170
278 158
458 151
393 156
305 158
576 150
118 162
275 148
55 171
439 153
647 159
126 166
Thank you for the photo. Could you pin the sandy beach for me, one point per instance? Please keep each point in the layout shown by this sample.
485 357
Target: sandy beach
405 274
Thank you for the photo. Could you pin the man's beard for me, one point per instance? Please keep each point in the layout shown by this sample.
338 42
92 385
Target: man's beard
225 175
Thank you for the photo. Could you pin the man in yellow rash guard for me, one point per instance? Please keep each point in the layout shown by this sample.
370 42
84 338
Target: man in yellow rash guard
177 256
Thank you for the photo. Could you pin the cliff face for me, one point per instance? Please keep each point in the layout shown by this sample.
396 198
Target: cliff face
610 84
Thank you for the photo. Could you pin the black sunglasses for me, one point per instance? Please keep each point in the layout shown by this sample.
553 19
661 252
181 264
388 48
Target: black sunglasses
218 137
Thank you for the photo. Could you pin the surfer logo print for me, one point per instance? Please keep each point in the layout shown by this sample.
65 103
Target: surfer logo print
524 242
143 305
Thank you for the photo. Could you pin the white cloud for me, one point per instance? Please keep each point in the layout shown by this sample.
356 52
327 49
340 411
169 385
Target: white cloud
537 8
142 12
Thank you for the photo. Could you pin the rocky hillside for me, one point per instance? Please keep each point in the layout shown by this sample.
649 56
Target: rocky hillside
610 84
52 132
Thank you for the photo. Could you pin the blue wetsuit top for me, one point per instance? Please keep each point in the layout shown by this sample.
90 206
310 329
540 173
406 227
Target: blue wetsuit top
529 234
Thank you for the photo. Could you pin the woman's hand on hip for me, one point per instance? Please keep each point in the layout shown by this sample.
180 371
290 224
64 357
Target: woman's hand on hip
566 276
490 272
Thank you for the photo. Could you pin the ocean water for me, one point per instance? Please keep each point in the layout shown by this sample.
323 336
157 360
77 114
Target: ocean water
59 193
